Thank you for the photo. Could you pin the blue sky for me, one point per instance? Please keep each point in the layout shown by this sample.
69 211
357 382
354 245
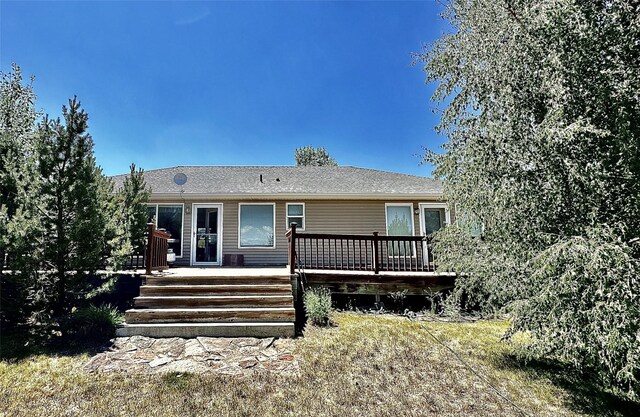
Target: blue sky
233 83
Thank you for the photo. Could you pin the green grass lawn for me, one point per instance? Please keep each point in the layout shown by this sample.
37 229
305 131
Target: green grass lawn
366 365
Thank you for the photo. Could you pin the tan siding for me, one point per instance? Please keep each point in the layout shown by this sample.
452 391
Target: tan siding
186 237
352 217
262 256
336 216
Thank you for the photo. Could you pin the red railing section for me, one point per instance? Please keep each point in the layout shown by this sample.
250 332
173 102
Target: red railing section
157 248
373 252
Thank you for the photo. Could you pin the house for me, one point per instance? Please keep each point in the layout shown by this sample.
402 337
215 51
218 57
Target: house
357 231
215 213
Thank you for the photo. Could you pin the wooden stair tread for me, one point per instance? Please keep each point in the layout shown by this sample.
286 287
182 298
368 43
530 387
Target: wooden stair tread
212 309
217 324
231 329
221 286
231 297
215 305
217 280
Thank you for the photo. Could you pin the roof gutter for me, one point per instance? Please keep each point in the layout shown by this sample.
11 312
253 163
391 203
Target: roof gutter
296 196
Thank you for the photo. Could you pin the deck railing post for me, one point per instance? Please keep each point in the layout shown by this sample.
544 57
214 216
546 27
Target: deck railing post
151 227
376 261
292 249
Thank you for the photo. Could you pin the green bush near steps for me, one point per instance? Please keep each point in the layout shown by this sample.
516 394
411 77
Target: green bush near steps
94 323
317 305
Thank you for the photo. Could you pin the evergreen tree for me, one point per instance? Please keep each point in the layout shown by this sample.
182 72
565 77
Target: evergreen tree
130 222
19 196
134 196
74 197
310 156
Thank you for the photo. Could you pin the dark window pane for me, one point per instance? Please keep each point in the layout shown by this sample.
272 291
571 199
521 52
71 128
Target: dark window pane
151 213
296 220
170 218
295 210
433 220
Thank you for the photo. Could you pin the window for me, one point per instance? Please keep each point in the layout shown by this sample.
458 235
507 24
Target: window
470 223
399 219
433 220
433 217
295 214
170 218
399 223
256 225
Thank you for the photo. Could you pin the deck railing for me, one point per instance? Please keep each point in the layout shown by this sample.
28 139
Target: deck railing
157 248
375 253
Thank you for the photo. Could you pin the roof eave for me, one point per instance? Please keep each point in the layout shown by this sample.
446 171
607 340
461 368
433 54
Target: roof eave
294 196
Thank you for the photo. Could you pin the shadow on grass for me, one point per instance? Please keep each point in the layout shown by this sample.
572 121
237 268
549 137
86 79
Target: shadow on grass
585 394
21 343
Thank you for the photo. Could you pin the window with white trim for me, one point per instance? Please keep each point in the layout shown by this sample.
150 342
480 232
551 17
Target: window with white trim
256 225
399 219
169 217
399 223
295 214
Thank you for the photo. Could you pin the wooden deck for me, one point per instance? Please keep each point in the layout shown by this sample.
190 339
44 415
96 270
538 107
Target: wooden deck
366 282
366 264
339 282
346 264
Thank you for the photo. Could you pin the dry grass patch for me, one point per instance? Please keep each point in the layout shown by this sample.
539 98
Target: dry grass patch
367 365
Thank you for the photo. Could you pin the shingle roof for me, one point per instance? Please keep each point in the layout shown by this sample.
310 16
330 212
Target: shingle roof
241 180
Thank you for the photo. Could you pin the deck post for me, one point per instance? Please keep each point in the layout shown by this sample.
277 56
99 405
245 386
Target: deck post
376 264
292 248
151 227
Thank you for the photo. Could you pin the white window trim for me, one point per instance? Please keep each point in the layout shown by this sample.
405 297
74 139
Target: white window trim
182 225
304 217
274 226
445 206
413 225
386 216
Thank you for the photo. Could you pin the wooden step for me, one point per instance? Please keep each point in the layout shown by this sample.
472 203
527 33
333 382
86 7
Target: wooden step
210 315
239 329
244 289
218 280
187 301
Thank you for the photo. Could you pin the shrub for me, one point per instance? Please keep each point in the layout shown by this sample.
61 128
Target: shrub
398 299
317 305
585 308
94 324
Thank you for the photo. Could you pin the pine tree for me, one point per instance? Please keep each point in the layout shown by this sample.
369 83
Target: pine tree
75 195
128 227
19 197
134 196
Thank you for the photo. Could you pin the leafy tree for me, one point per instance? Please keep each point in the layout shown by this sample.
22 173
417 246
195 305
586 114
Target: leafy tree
541 110
74 198
310 156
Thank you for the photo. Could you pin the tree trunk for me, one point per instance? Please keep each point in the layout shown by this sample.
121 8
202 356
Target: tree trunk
60 253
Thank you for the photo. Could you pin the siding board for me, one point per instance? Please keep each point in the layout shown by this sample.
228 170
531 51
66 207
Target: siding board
330 216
